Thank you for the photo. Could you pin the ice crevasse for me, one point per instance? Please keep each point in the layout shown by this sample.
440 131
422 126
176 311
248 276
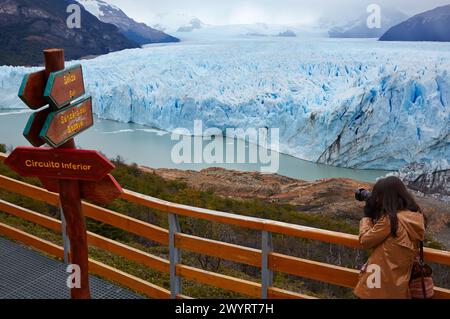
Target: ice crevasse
357 104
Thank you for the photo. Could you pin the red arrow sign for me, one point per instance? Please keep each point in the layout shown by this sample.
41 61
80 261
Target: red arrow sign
103 192
32 90
72 164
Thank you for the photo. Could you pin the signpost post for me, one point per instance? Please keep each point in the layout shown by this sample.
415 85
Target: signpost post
103 192
73 173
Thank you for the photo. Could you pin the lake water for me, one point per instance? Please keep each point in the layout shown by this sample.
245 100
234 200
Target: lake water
152 148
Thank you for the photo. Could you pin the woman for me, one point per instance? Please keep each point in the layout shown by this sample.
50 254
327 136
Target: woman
392 227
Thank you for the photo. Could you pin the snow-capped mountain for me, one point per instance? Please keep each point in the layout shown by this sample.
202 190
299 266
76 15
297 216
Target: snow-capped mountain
97 7
175 22
28 27
433 25
137 32
187 27
366 105
212 32
358 28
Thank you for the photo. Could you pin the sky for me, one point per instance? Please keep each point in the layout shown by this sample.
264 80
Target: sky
305 12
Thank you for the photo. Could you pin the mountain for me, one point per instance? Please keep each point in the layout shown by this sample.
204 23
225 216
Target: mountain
29 26
359 29
287 33
137 32
211 32
175 22
433 25
193 24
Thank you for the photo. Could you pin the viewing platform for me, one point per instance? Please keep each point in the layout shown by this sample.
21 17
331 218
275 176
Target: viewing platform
264 258
27 274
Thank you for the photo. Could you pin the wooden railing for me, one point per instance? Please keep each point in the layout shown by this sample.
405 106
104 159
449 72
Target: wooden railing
265 258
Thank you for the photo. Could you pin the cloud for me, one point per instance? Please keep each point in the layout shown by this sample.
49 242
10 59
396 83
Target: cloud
248 13
268 11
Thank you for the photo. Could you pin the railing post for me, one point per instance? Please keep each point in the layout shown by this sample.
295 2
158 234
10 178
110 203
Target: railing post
66 241
174 256
266 273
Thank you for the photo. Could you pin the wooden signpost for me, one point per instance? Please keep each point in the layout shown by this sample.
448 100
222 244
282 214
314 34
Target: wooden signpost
34 126
32 89
73 173
65 86
63 125
103 192
79 165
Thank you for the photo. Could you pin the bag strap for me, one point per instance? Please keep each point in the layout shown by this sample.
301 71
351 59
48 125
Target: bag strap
422 266
422 258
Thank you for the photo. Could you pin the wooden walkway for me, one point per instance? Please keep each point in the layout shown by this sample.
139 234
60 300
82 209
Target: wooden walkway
27 274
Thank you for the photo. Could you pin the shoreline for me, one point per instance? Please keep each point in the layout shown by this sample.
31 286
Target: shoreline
139 144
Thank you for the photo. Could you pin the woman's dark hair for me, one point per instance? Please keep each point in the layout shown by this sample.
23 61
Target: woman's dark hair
389 196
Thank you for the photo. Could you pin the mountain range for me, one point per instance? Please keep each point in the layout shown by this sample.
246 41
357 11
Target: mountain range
358 28
432 25
28 26
175 22
134 31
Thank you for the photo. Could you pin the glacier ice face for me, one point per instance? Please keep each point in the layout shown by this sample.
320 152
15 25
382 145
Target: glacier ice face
10 80
357 104
431 178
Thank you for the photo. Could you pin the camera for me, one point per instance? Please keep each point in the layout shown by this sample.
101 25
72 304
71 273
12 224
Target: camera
362 195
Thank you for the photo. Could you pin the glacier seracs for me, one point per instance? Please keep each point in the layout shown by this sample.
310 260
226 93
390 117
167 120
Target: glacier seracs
349 103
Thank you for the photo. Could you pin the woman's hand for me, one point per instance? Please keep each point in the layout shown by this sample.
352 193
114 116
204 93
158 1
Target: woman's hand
368 212
371 235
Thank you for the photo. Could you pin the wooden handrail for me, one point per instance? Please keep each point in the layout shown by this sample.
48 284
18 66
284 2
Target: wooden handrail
244 287
136 255
221 281
304 268
95 266
106 216
160 235
140 285
236 253
278 262
129 224
243 221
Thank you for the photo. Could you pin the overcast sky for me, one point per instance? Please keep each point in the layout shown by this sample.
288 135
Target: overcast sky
269 11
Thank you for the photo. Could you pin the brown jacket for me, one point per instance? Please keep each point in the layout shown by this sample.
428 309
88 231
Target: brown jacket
393 255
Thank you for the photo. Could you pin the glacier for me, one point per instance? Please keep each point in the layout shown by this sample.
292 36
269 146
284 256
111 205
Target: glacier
349 103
